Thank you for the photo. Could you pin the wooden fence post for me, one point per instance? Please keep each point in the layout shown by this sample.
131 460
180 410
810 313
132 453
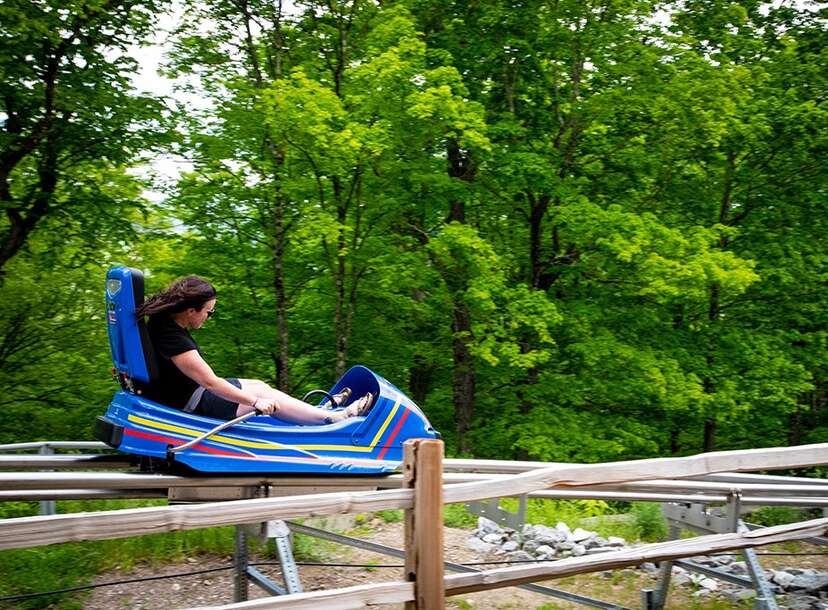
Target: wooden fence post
423 471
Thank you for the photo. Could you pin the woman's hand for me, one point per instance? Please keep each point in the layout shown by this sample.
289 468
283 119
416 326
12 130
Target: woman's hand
266 405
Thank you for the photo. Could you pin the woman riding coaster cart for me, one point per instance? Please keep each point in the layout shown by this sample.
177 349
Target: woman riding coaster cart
187 382
173 411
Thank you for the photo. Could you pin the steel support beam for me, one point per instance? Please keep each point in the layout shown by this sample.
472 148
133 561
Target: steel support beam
245 573
240 564
47 507
491 509
659 597
697 518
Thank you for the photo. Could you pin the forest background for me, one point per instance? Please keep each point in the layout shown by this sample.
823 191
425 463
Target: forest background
569 230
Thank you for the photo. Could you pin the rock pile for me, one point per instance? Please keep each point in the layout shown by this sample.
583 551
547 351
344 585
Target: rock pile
535 542
804 589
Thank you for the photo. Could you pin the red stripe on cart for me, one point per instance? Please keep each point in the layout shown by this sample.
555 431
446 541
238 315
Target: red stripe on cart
393 433
174 441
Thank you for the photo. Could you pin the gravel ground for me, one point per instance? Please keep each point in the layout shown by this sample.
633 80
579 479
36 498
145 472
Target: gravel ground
216 588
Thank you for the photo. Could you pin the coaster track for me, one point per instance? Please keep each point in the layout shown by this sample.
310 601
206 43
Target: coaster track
86 481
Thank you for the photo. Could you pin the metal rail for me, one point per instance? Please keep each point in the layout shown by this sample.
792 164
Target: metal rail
705 486
501 467
585 494
737 477
480 468
754 489
18 481
65 462
101 494
32 495
129 480
54 445
160 488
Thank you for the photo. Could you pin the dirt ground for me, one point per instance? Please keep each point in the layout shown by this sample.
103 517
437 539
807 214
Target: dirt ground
621 586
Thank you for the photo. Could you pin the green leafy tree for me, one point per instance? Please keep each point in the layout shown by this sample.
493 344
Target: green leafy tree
68 112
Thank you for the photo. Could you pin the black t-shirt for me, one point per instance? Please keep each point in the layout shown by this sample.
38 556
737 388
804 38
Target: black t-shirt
172 388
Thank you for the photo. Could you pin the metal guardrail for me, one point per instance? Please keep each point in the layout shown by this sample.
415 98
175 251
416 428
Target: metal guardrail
765 490
54 445
125 480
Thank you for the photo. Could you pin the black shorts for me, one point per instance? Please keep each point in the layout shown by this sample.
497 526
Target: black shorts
215 406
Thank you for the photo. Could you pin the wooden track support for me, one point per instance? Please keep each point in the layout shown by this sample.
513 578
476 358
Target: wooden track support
422 469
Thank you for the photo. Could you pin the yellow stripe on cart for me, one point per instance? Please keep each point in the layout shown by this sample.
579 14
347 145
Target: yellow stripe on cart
264 445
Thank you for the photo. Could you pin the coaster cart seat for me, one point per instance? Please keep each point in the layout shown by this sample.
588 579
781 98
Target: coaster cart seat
133 424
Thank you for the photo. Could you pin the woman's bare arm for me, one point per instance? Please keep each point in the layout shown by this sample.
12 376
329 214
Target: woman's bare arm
194 366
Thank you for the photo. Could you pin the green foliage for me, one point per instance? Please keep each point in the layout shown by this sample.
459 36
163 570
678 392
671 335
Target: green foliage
456 515
607 235
460 603
776 515
390 516
649 521
552 512
12 510
53 375
621 220
308 548
71 120
636 251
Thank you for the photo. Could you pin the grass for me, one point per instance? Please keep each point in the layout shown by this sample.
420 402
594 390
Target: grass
66 565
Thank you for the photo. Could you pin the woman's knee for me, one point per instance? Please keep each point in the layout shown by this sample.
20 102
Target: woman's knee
257 386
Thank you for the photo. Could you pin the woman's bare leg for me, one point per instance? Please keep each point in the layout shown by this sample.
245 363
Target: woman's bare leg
290 408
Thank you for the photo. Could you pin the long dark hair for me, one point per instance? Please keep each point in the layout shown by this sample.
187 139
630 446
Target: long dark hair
191 291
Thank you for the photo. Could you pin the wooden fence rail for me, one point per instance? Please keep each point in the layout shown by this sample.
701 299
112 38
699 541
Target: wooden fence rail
459 584
37 531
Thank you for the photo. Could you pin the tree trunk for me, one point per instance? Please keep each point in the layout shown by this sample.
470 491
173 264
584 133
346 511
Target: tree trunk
278 253
714 305
709 382
463 379
464 375
276 230
20 225
710 435
525 403
795 427
341 330
675 447
419 379
538 207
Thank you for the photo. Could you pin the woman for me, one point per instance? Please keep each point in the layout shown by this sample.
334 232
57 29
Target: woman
186 381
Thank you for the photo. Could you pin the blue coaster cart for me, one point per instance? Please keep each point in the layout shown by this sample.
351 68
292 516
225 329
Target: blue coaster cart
261 444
